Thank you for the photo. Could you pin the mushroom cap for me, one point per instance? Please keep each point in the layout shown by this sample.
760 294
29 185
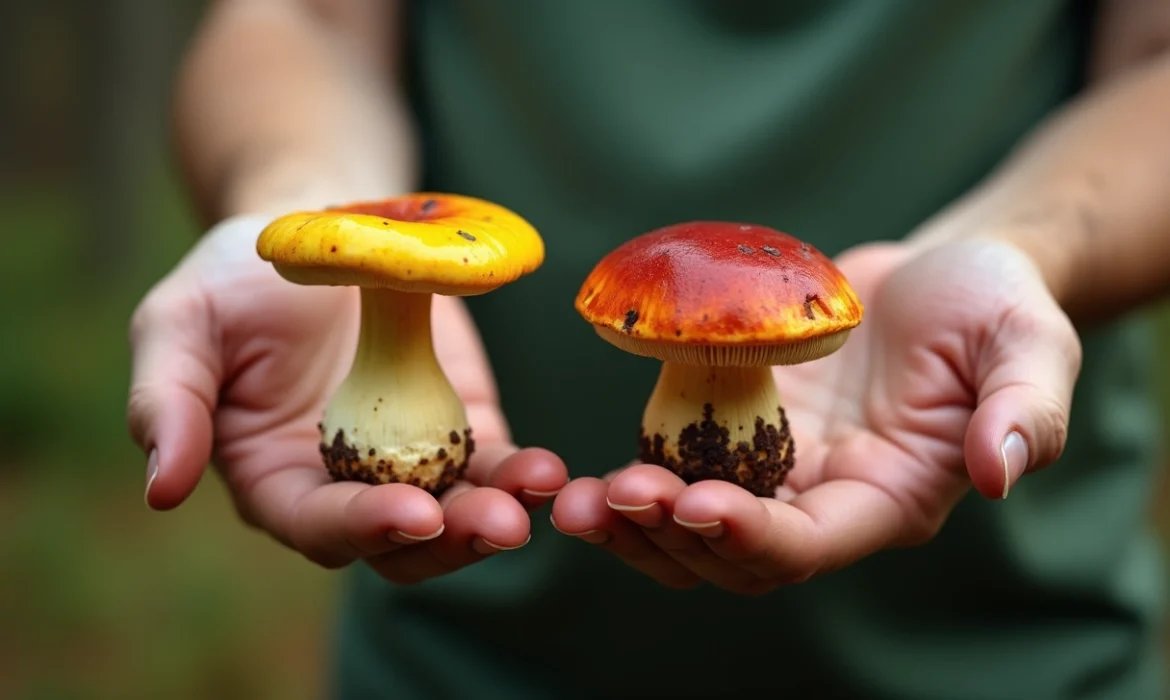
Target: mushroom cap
719 293
424 242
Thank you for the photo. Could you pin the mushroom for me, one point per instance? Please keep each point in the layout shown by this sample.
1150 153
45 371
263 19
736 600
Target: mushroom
396 417
719 304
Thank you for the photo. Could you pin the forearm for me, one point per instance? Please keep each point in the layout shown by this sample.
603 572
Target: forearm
1086 196
279 108
280 105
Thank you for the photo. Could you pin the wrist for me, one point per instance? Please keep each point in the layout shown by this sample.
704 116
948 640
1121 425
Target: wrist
285 183
1051 253
1051 234
275 188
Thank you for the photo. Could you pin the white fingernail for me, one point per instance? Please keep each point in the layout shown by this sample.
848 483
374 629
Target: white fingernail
1014 453
711 529
629 509
423 538
151 473
491 547
570 534
541 494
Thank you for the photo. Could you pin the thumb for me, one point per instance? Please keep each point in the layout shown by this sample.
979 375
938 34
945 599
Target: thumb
1026 374
175 378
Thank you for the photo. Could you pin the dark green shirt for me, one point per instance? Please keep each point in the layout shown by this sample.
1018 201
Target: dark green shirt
842 122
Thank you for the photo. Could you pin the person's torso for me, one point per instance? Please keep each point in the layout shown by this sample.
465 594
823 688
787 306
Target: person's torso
841 122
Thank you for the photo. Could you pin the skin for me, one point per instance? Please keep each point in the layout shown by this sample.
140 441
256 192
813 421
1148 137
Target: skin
894 428
915 410
242 379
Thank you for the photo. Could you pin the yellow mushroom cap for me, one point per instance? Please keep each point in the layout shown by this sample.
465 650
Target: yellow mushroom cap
424 242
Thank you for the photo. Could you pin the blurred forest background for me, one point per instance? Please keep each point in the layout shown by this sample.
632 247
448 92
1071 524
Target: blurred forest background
100 598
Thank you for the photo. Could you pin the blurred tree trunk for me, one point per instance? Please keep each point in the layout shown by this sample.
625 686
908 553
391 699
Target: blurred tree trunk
132 48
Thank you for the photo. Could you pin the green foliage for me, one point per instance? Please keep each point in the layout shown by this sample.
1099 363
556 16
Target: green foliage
112 601
102 597
65 369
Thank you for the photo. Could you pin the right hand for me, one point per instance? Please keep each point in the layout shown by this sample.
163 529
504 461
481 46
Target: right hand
232 364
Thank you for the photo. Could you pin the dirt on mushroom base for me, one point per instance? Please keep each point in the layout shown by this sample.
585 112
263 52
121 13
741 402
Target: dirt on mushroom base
345 463
705 451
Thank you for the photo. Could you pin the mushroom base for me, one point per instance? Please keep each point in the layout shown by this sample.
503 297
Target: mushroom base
396 418
724 423
433 468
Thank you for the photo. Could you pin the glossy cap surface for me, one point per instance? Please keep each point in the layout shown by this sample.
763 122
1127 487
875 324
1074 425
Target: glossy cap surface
720 293
424 242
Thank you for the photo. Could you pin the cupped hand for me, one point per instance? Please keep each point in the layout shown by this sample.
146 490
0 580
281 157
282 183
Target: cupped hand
233 365
960 375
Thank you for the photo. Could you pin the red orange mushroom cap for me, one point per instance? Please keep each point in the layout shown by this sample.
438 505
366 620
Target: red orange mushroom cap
766 295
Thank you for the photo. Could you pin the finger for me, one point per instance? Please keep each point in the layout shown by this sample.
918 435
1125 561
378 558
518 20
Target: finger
646 495
175 378
333 524
823 529
1024 397
580 510
532 475
457 488
612 474
479 522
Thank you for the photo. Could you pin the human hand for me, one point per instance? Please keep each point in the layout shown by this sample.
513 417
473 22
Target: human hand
961 374
233 364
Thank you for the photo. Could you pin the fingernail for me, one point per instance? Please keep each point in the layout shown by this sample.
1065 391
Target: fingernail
541 494
418 538
584 533
629 509
1014 452
151 473
712 529
482 546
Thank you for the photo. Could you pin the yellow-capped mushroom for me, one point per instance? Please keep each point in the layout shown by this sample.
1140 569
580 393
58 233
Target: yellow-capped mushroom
396 417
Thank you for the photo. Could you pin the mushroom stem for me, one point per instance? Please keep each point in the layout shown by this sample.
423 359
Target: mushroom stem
396 417
718 423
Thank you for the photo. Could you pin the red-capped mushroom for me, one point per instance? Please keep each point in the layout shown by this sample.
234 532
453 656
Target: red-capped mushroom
719 304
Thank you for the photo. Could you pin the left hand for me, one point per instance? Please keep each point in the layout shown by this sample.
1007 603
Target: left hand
233 364
960 374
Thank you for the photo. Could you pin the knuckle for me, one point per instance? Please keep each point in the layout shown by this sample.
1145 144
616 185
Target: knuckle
1073 348
139 409
1052 419
1052 328
150 312
163 307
